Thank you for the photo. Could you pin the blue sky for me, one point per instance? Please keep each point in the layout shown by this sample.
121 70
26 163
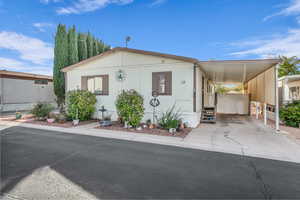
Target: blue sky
204 29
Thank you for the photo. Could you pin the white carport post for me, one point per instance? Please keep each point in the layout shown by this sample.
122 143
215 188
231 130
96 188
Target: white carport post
265 113
276 99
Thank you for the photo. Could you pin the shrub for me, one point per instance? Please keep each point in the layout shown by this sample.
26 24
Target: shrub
170 118
42 110
290 114
80 104
130 107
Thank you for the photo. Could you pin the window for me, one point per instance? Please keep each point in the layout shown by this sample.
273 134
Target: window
95 84
294 93
41 82
162 83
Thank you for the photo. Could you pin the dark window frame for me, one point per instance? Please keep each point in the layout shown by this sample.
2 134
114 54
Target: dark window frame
168 84
105 84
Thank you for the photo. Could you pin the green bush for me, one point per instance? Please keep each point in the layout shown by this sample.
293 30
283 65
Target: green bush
80 104
290 114
170 118
130 107
42 110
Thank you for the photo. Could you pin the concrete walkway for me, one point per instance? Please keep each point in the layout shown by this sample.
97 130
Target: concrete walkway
237 135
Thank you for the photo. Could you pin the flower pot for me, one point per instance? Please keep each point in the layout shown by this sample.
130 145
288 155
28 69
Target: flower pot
75 122
151 126
172 130
18 115
50 120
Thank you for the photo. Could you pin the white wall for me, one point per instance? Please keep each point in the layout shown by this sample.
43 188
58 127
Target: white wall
26 91
138 69
233 104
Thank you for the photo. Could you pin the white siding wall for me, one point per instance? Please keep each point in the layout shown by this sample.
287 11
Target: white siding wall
138 69
18 94
233 104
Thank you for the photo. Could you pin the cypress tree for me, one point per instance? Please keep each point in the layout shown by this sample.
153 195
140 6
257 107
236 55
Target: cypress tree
72 46
100 46
95 46
89 42
82 47
60 61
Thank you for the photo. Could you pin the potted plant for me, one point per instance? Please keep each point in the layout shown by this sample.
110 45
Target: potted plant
173 125
51 118
76 120
18 115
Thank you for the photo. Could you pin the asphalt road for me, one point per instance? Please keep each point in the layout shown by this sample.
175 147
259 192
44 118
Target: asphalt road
39 164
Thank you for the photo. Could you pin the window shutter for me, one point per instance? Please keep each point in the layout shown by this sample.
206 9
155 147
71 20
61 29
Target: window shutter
105 84
84 83
155 82
168 76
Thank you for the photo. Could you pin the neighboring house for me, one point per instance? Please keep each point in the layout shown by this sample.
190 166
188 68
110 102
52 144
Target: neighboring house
20 91
289 88
186 82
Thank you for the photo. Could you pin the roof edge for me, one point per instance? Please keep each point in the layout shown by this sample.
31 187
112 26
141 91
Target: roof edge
136 51
6 73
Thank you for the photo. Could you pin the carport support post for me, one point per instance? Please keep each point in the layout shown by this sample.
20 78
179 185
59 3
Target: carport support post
256 109
265 113
276 99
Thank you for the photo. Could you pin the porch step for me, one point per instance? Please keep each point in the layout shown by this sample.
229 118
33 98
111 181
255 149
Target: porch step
208 115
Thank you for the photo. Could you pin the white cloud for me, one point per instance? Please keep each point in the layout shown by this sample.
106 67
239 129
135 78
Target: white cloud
157 2
30 49
82 6
48 1
292 9
41 26
16 65
288 45
298 20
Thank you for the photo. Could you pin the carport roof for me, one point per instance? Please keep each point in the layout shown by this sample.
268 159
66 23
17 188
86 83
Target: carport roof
235 71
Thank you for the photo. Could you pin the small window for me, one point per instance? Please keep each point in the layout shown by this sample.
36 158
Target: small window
162 83
294 93
41 82
95 84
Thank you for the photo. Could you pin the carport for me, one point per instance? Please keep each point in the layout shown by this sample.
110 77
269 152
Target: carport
259 78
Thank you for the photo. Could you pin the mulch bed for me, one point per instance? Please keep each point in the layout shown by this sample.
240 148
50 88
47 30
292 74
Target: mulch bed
67 124
30 119
155 131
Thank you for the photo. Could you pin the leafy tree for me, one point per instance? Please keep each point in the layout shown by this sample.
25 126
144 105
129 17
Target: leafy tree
60 61
82 47
221 89
289 66
72 46
89 42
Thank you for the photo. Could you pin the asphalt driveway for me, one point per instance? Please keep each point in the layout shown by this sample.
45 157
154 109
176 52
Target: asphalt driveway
39 164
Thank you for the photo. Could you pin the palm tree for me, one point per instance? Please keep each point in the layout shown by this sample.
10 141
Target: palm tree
289 66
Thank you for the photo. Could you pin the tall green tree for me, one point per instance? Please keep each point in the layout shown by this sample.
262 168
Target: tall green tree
100 46
72 46
82 47
89 42
95 47
60 61
289 66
